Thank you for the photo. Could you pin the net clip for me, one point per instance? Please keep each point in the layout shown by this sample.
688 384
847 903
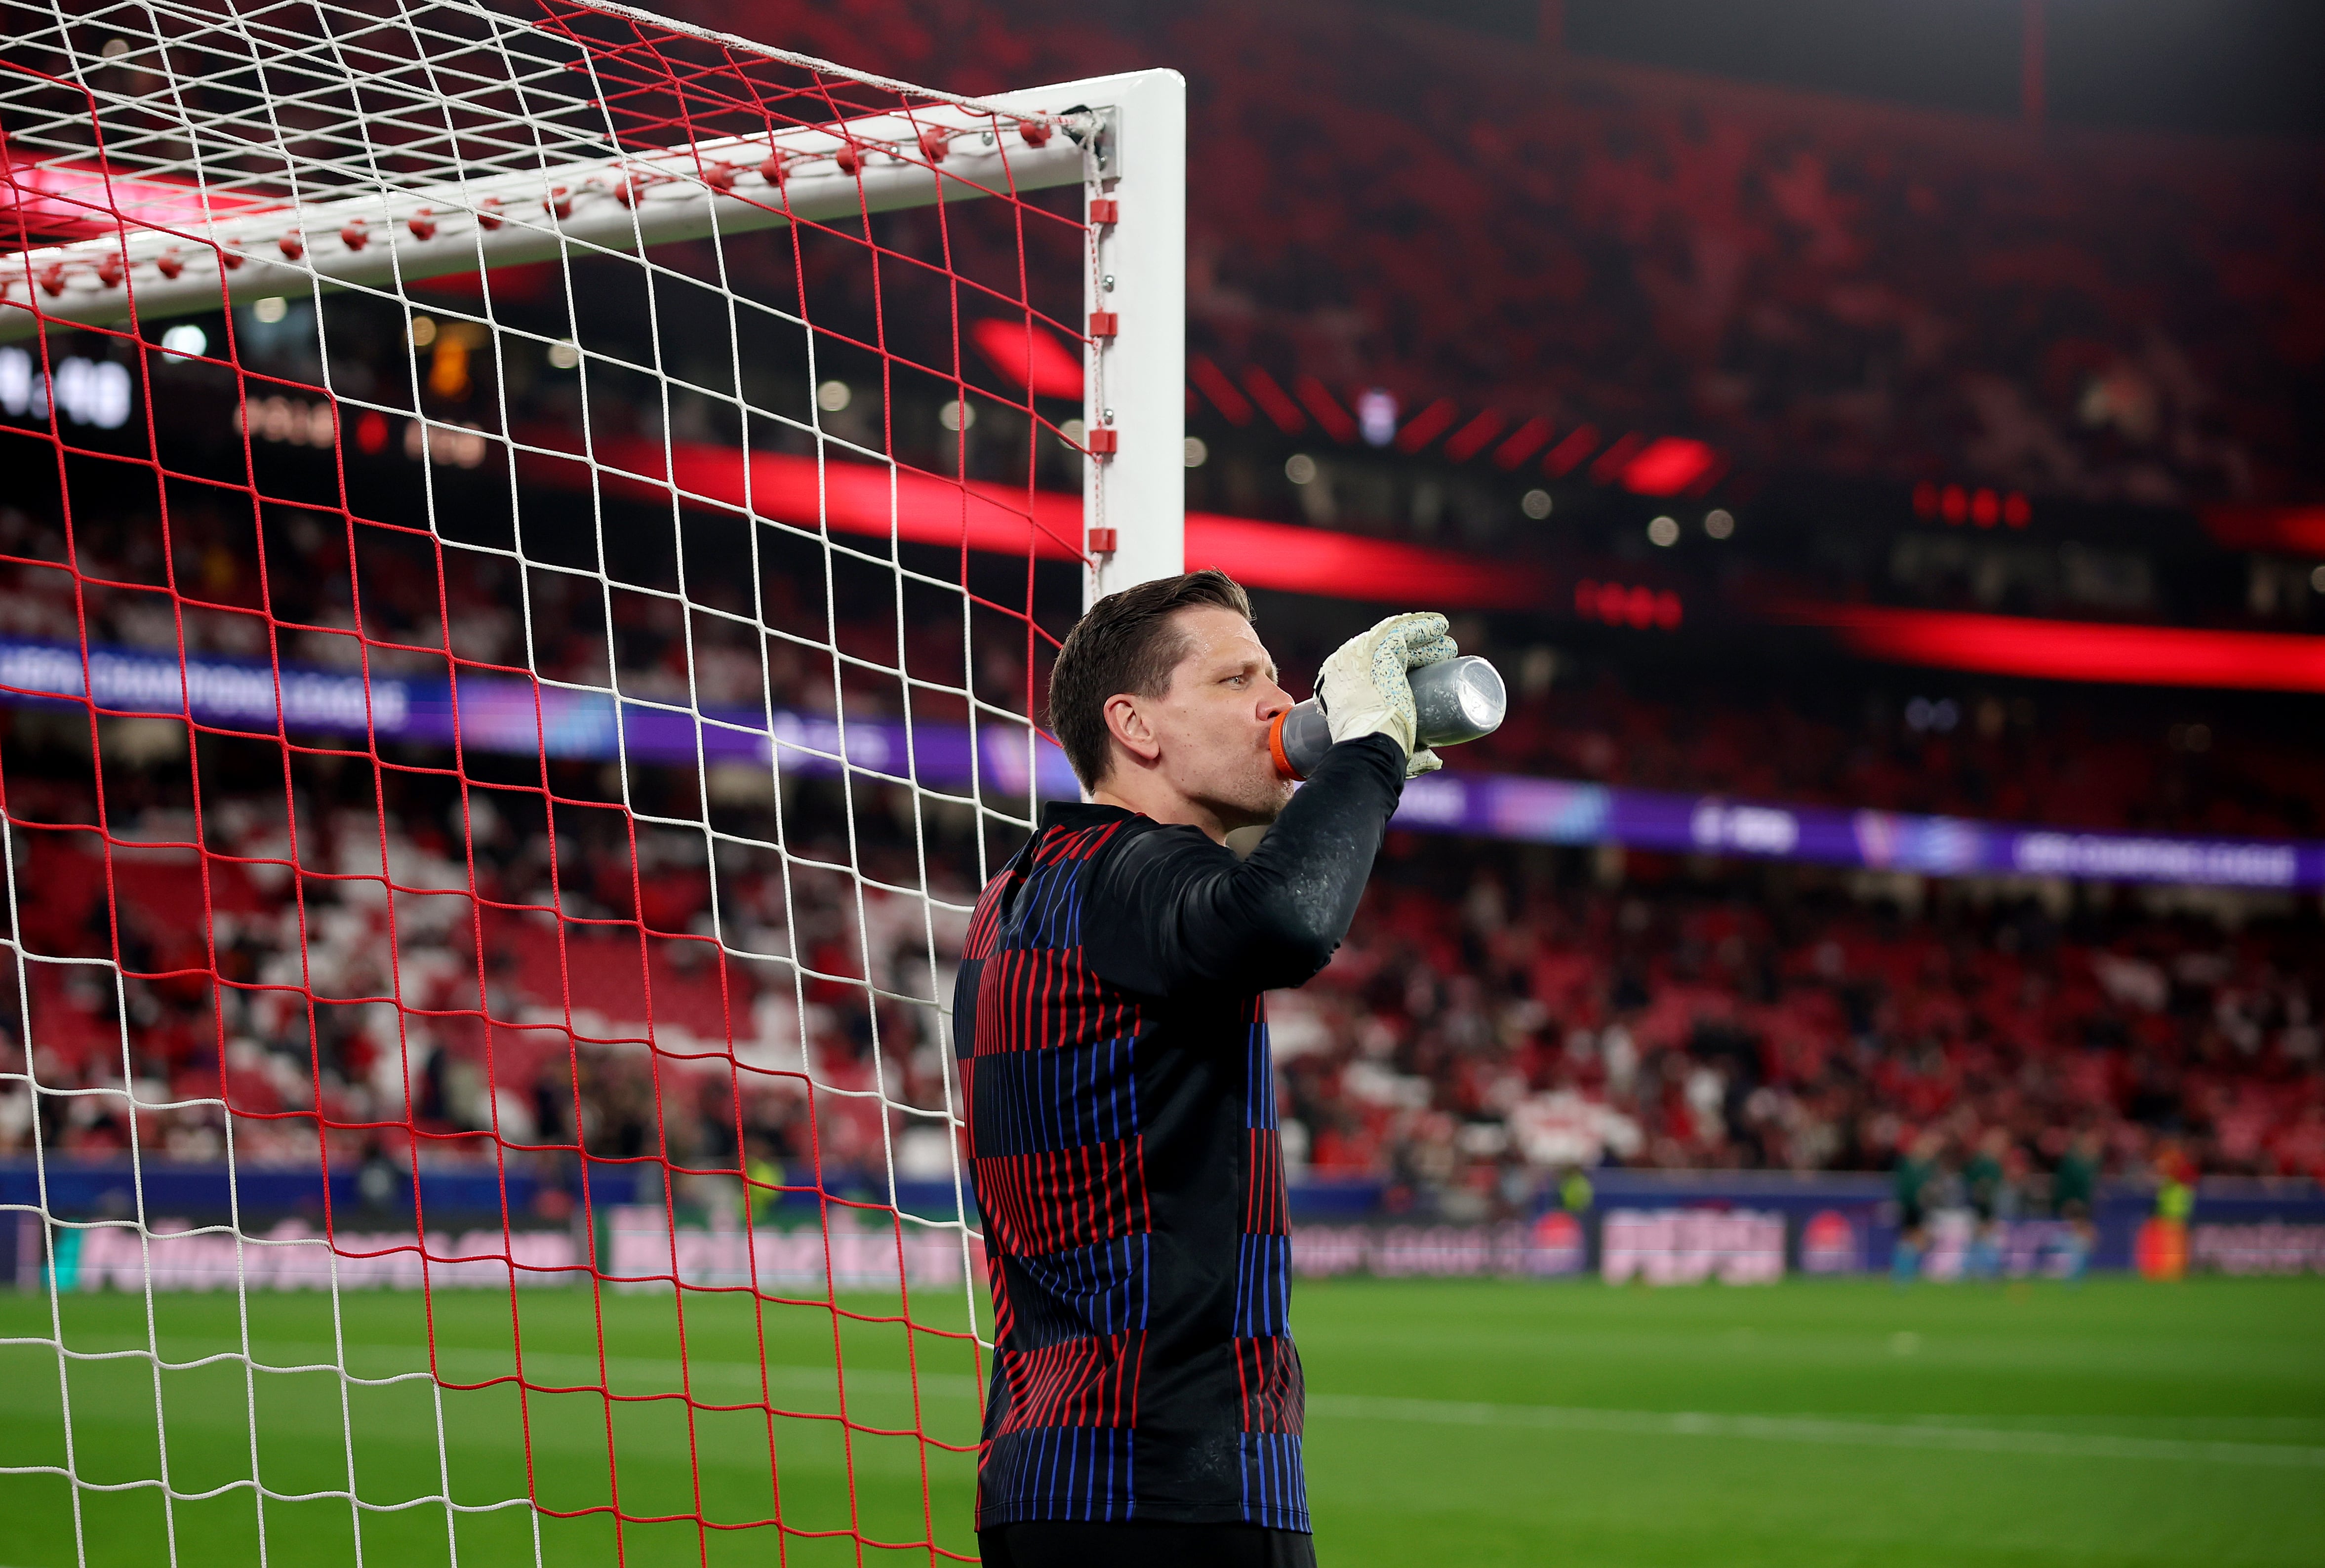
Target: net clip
1103 541
1105 323
1104 442
1104 209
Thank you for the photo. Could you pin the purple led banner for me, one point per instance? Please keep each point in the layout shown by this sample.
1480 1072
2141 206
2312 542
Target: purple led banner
508 714
1551 812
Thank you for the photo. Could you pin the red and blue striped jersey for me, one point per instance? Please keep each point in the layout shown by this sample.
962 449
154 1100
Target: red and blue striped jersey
1122 1129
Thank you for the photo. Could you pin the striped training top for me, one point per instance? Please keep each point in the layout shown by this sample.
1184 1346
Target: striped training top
1122 1127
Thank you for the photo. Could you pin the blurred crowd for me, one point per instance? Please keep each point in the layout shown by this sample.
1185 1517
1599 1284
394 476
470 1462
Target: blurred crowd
1492 1018
1802 280
458 975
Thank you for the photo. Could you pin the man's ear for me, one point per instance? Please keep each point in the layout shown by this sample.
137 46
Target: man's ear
1126 721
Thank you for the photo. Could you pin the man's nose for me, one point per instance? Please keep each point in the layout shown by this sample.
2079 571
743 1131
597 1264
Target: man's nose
1272 701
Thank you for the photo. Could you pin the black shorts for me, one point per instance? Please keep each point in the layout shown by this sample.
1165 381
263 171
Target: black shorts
1063 1543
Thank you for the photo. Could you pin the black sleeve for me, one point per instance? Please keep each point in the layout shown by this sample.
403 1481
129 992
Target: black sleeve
1169 908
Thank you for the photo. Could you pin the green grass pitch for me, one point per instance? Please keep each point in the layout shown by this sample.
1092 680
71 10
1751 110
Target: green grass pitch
1807 1425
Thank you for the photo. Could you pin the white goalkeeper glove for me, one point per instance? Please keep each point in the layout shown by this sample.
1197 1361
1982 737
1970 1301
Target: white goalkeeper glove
1364 688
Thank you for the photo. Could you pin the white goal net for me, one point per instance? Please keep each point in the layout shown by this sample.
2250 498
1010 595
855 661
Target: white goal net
533 543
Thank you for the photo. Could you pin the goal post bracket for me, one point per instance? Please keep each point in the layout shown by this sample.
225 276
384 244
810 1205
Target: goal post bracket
181 263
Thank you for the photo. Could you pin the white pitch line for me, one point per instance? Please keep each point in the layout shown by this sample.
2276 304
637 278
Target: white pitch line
1813 1429
633 1372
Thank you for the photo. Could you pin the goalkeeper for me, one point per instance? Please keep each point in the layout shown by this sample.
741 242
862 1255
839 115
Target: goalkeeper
1146 1398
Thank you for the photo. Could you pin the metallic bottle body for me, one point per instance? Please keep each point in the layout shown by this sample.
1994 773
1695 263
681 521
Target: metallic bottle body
1457 700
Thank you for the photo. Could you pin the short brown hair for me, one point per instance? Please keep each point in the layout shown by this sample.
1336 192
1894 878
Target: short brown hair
1125 642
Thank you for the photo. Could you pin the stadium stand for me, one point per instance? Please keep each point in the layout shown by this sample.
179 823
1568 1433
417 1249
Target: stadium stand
1767 272
1802 280
1490 1017
1482 1014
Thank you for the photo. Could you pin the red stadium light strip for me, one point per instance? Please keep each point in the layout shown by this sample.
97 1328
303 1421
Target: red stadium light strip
1029 356
1957 504
1225 396
1645 465
55 202
847 498
1568 455
2297 529
1427 425
1522 443
856 498
1337 422
1617 457
521 281
1636 606
1669 466
1274 401
1315 561
2076 650
1470 440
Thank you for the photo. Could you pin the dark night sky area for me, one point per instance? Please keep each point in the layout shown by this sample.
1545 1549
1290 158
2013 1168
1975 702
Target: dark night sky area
2231 65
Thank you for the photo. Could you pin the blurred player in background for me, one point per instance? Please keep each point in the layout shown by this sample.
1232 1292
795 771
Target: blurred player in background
1986 1184
2175 1201
1915 1187
1147 1400
2074 1191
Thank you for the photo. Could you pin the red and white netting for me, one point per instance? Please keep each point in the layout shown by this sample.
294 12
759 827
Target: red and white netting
529 542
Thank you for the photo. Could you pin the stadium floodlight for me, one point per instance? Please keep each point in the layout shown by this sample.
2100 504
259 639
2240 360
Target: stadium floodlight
532 680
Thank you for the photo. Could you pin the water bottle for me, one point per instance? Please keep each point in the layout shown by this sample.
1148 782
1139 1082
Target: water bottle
1457 700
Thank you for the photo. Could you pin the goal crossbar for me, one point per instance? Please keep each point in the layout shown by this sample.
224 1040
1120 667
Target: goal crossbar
619 202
